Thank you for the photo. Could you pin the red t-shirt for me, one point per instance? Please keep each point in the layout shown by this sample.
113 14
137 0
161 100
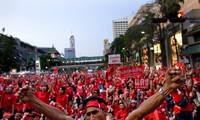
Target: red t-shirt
79 113
28 106
7 100
177 97
70 110
62 99
43 96
80 90
122 114
19 107
69 90
115 108
161 111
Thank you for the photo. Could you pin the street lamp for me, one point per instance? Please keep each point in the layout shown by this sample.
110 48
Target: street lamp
143 32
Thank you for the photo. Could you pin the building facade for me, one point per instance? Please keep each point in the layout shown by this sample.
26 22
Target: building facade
120 26
70 52
191 32
27 54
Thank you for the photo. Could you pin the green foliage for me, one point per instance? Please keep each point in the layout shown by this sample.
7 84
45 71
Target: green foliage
134 39
45 61
168 6
9 55
117 45
133 36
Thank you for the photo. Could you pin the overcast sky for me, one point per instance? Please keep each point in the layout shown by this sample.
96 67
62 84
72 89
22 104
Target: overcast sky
44 23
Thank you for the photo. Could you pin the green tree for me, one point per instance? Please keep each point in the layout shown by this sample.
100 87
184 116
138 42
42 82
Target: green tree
45 61
9 54
118 44
133 39
166 8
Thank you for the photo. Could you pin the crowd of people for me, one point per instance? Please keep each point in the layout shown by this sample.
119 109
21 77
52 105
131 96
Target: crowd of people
68 94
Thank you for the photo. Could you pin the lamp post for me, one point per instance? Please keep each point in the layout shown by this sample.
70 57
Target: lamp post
123 53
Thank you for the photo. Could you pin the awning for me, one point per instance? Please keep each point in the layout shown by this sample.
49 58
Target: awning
193 31
191 50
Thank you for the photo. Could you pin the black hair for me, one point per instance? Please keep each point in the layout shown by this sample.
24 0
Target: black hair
46 86
100 100
63 88
20 84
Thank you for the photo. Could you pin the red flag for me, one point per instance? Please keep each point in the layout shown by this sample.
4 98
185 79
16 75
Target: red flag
111 70
55 71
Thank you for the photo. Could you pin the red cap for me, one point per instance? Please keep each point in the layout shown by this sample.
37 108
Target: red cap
95 103
6 115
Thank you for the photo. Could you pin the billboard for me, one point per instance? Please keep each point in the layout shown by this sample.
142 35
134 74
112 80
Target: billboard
114 59
105 41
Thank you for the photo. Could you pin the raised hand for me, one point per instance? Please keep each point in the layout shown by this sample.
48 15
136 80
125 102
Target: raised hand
25 93
174 78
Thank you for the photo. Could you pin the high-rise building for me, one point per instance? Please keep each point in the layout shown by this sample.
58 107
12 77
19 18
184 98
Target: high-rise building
142 12
120 26
72 41
70 52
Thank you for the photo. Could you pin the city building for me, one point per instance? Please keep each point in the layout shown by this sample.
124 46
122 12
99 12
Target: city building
120 26
70 52
51 51
140 15
191 32
27 54
146 56
30 55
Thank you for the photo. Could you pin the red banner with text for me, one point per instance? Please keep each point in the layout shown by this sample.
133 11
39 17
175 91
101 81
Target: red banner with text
142 83
131 71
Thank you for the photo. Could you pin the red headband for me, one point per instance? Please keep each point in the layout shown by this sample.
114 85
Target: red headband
95 103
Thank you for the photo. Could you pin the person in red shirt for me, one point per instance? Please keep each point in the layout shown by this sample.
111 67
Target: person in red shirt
71 109
103 94
115 105
80 89
69 91
61 99
80 112
132 106
19 106
122 113
18 116
185 112
44 94
8 101
96 108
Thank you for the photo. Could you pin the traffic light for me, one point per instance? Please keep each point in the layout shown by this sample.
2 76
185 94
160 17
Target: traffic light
176 17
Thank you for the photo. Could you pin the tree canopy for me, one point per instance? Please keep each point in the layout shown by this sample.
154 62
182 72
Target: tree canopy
9 56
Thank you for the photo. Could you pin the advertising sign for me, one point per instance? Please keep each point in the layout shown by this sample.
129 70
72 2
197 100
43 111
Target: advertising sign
114 59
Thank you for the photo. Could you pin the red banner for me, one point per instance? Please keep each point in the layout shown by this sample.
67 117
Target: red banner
142 83
131 71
